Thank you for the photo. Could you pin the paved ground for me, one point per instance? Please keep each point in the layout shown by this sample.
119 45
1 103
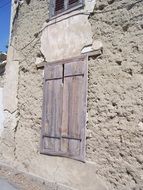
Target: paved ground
4 185
11 179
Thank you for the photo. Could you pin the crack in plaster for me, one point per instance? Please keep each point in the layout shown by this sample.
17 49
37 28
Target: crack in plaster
8 111
15 130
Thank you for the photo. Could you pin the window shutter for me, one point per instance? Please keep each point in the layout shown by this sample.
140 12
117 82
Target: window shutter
59 6
71 2
64 110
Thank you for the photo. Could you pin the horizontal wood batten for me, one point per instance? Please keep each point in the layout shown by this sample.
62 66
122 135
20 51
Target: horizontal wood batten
61 155
65 61
80 75
64 137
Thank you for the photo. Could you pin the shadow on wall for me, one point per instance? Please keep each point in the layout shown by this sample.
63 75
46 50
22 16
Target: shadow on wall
1 110
3 58
28 1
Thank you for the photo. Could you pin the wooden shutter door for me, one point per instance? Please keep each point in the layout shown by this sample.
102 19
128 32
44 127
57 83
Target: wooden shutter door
64 109
52 112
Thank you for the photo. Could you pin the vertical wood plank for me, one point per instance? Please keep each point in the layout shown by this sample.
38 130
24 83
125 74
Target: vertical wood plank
73 91
54 111
75 68
64 109
65 119
53 72
53 107
74 109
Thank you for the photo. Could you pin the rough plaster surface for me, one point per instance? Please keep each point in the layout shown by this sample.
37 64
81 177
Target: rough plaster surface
7 139
115 101
115 122
20 140
1 81
1 110
2 77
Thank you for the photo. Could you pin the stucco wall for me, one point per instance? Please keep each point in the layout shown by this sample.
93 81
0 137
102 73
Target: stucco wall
115 123
25 82
20 141
1 110
1 98
2 75
115 101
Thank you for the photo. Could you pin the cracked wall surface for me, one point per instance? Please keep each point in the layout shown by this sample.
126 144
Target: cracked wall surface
1 102
20 141
18 97
26 132
2 79
115 122
115 101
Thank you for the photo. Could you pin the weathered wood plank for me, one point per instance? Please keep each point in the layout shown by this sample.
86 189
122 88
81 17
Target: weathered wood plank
74 69
64 109
64 129
74 93
53 72
54 112
66 61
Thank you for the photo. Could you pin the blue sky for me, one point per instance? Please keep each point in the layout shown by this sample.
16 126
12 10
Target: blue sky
5 6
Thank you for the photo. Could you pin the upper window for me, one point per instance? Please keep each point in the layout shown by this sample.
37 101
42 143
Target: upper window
62 6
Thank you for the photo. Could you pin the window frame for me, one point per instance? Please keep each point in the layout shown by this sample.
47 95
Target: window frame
67 8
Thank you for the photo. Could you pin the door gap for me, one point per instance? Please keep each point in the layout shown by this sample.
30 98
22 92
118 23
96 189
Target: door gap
63 73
